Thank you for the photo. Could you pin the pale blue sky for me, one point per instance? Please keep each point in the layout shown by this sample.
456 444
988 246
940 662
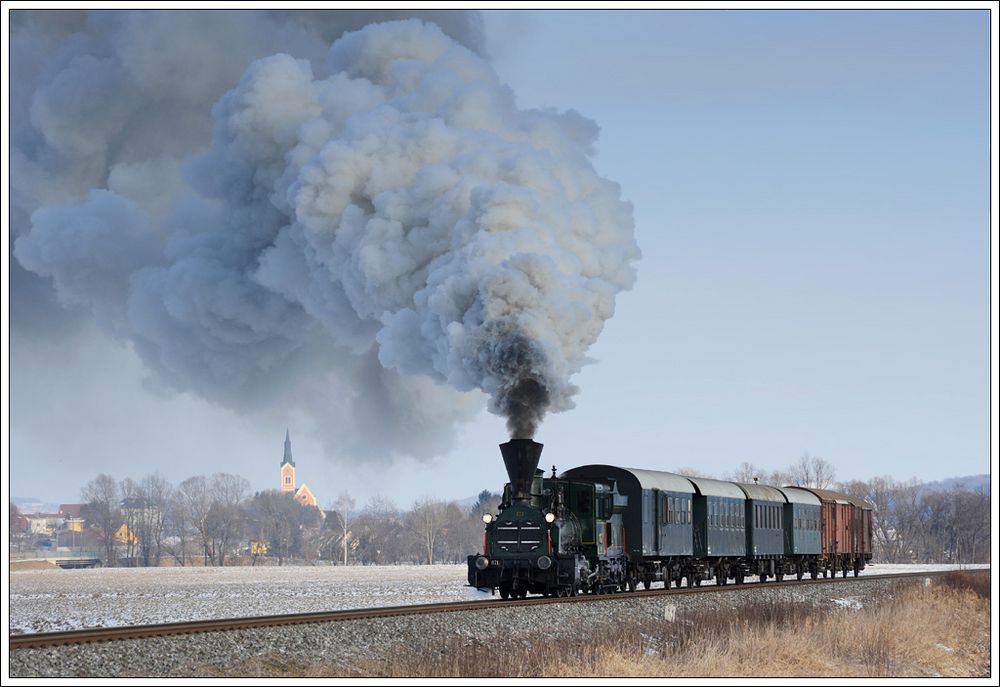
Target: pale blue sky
811 200
811 197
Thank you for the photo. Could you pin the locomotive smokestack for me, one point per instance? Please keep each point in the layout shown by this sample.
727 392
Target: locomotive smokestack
520 457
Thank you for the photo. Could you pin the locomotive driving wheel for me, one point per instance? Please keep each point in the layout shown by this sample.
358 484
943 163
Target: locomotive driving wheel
505 591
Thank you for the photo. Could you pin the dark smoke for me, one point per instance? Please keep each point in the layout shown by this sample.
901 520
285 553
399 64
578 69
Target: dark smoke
518 366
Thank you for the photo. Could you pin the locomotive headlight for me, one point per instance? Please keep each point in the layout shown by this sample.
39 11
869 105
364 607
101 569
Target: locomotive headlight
544 562
550 518
482 563
487 518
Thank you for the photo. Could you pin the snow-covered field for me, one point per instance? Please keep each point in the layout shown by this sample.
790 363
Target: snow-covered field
47 600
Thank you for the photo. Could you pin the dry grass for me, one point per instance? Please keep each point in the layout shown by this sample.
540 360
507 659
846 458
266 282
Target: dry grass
917 631
31 565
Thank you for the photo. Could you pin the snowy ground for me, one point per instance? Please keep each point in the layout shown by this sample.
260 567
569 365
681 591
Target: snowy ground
47 600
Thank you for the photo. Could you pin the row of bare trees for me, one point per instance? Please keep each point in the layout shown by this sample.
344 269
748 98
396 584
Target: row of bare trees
143 521
212 519
216 520
911 523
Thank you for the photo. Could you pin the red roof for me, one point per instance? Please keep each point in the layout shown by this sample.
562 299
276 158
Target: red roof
70 510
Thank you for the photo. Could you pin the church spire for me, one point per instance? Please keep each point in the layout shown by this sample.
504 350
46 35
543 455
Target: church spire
288 450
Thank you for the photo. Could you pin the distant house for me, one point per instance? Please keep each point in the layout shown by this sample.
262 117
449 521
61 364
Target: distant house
72 516
125 536
44 523
20 523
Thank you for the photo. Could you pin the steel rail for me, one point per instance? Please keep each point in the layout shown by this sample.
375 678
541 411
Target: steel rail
104 634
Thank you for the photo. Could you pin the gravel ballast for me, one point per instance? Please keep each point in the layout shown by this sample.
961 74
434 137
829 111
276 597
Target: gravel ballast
347 643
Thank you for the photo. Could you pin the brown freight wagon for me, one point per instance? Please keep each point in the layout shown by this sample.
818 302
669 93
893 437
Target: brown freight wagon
845 532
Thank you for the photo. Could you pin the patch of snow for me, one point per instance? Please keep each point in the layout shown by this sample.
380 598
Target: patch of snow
852 604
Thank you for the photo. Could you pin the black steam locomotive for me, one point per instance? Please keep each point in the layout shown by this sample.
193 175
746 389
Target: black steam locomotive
600 529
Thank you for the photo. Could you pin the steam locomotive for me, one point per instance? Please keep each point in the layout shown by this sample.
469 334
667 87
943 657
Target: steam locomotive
600 529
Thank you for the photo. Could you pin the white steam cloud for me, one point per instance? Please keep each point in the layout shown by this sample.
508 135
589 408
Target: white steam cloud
367 237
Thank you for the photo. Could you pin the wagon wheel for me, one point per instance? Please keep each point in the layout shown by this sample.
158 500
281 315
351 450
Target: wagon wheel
763 577
504 592
523 592
630 584
697 581
845 572
779 577
647 583
814 574
798 574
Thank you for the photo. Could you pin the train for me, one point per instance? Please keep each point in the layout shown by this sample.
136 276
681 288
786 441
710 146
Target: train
598 529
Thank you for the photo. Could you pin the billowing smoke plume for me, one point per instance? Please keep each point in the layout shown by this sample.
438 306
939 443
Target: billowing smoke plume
368 235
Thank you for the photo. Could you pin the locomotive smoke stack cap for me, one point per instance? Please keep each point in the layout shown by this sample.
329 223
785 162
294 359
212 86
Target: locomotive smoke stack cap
520 457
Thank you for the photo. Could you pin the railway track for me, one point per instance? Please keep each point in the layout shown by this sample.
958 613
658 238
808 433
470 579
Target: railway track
105 634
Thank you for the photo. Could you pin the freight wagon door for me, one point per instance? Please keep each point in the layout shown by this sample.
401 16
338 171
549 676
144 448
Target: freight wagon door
829 531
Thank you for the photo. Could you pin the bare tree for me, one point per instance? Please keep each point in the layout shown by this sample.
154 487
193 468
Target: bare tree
279 520
461 534
380 531
15 528
154 492
131 507
177 527
426 519
225 516
102 511
195 500
972 525
813 472
343 506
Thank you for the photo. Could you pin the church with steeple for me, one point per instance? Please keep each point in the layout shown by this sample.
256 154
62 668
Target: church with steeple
302 494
